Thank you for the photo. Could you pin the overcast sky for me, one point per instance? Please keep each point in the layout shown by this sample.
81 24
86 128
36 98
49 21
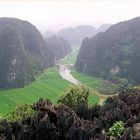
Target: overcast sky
56 14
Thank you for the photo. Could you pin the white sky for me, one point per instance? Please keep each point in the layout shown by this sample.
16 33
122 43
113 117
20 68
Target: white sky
56 14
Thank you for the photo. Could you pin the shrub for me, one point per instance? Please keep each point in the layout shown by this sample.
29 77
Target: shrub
74 96
20 112
1 117
108 87
117 129
135 87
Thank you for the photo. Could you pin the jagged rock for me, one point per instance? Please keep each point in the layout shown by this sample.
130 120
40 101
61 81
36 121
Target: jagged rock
136 131
62 123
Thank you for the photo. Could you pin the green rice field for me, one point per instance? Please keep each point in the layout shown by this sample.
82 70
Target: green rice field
48 85
71 57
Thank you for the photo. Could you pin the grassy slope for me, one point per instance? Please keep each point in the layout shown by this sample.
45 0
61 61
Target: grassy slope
48 85
71 57
89 81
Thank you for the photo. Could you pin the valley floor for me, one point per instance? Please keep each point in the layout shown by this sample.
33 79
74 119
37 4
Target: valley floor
50 85
68 75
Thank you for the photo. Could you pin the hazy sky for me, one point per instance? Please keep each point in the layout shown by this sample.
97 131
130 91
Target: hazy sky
56 14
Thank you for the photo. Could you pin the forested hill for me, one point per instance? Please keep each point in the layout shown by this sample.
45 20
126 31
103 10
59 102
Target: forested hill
23 52
59 48
114 52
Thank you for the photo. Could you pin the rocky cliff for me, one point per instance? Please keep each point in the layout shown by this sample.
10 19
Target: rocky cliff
58 46
23 52
114 52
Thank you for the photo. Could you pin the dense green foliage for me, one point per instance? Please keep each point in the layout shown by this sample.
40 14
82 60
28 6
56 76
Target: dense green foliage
117 129
20 112
48 85
107 87
75 96
114 52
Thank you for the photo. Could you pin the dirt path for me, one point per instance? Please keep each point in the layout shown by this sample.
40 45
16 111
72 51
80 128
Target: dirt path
65 74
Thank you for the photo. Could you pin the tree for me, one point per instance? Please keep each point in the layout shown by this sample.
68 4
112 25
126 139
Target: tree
74 96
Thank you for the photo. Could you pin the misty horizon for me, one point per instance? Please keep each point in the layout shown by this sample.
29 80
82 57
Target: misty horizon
55 15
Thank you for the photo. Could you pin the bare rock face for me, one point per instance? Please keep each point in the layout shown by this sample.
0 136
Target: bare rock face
114 52
23 52
136 131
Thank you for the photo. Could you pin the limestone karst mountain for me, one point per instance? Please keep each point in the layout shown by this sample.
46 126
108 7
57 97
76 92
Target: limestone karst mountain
75 35
23 52
114 52
59 48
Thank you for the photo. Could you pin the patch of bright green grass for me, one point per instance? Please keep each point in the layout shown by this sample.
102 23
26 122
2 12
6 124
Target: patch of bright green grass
71 57
93 99
48 85
90 81
102 86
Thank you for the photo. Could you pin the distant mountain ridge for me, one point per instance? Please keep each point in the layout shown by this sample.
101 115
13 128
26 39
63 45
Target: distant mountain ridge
75 35
114 52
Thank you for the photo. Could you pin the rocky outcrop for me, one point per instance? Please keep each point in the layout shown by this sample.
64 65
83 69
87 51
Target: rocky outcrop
114 52
23 52
62 123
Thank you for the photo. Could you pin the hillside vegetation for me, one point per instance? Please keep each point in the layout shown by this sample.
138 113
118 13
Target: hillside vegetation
113 53
23 53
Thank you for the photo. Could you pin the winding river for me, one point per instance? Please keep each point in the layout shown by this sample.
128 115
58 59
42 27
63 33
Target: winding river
65 74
